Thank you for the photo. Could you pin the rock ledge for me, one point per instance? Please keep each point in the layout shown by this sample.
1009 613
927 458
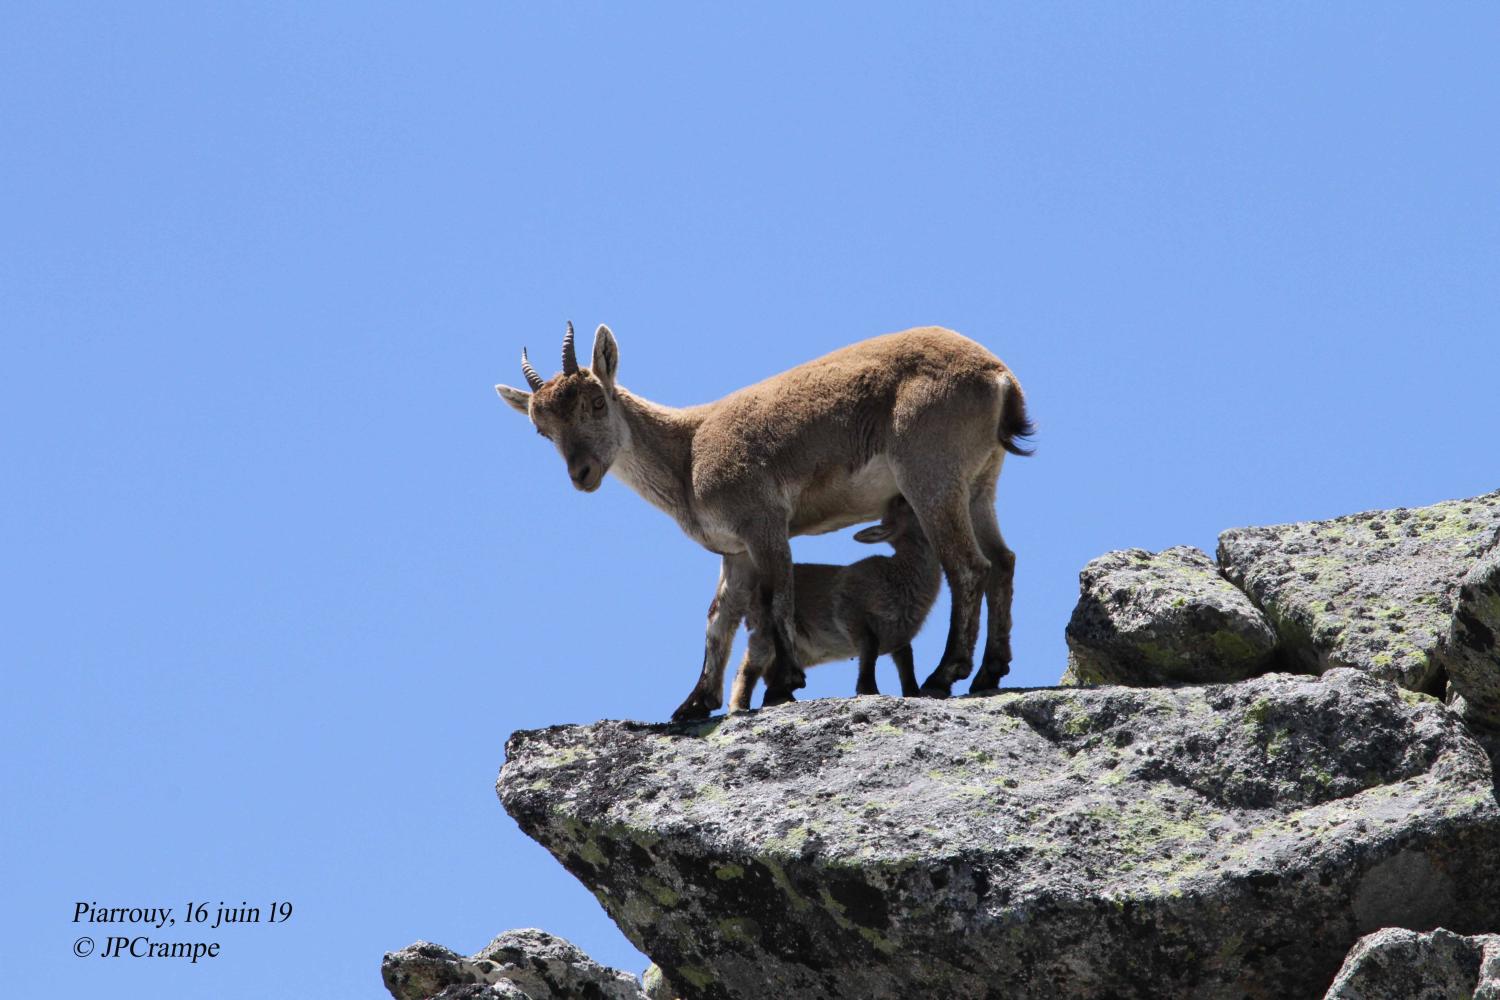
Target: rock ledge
1043 843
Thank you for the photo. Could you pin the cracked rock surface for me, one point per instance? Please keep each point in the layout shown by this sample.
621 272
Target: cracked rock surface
1228 840
1163 618
1396 964
1374 591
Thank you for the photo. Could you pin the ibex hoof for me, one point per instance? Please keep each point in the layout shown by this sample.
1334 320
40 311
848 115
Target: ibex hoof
861 692
691 710
932 690
989 679
779 697
990 672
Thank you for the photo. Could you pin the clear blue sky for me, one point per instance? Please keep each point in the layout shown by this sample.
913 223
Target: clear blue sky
282 573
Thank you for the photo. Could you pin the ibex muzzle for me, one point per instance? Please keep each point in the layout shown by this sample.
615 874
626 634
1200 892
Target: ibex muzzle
586 471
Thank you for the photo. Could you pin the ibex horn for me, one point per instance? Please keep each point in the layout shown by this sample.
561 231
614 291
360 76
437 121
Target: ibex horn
532 378
570 360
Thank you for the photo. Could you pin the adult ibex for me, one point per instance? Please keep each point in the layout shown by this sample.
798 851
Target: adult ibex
926 413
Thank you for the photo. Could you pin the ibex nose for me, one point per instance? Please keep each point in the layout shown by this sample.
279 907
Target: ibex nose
586 474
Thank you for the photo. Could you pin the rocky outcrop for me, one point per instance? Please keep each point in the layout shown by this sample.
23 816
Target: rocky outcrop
1148 840
520 963
424 969
1163 618
1397 964
1374 591
1473 656
1230 839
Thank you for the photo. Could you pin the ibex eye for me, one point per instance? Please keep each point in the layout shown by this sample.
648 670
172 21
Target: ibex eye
598 402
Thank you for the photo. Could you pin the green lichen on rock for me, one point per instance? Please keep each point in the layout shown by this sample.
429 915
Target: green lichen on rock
1063 843
1158 618
656 986
1374 591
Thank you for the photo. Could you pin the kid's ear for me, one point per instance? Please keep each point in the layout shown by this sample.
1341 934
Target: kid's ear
606 357
518 400
874 533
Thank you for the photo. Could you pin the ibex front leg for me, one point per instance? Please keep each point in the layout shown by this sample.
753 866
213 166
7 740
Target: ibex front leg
731 599
772 556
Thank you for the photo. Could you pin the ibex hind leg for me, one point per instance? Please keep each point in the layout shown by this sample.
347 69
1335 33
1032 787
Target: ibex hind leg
999 582
906 669
937 461
946 522
869 652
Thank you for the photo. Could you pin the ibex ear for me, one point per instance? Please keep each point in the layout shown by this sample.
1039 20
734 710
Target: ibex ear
606 357
518 399
874 533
